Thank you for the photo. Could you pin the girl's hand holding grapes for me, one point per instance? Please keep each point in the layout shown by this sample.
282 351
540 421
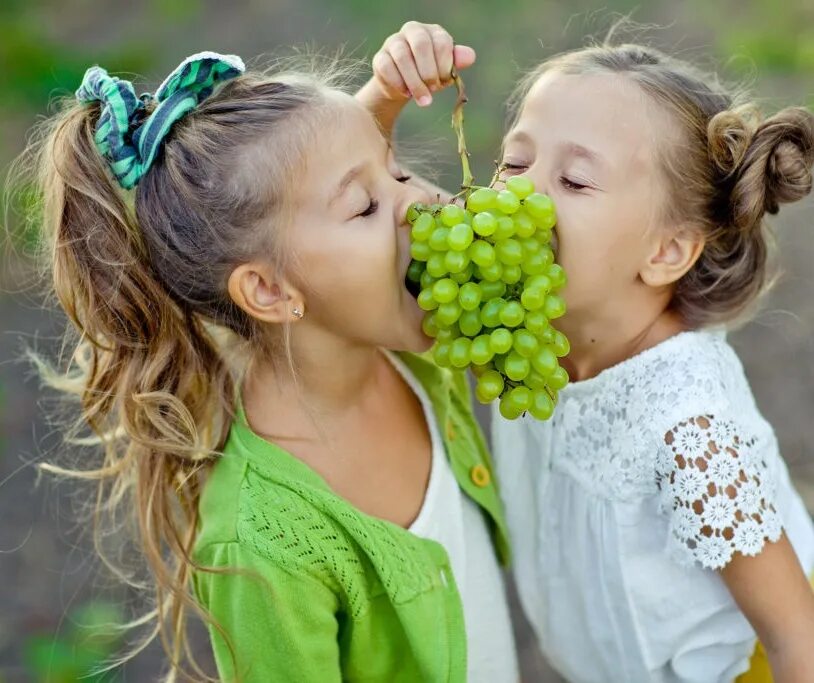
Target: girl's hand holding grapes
412 64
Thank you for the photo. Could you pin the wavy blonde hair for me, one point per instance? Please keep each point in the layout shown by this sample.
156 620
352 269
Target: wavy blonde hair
142 277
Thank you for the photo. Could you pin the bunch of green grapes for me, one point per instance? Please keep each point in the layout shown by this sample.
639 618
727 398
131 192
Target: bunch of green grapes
489 284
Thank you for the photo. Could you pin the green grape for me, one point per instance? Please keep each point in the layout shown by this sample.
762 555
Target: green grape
511 274
541 209
560 346
468 216
548 255
534 264
440 354
490 385
481 199
501 340
536 322
541 282
429 326
469 296
544 361
492 290
558 379
534 380
446 333
420 251
477 369
444 291
507 409
426 301
542 407
460 237
414 211
525 343
530 246
456 261
459 352
505 228
423 228
491 273
427 280
481 350
470 323
484 223
507 202
463 276
500 364
524 226
436 266
556 274
448 313
490 312
547 335
451 215
532 299
512 314
482 253
516 367
520 186
438 239
554 307
520 398
509 252
415 270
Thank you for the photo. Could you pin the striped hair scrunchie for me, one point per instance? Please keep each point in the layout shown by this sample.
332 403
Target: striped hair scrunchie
126 136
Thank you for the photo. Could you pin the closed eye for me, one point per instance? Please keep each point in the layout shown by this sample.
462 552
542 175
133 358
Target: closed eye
511 169
370 210
571 185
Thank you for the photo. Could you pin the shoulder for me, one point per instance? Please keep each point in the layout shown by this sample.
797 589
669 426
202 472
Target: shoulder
693 374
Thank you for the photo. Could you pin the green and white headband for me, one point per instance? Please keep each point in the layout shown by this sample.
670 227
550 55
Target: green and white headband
126 136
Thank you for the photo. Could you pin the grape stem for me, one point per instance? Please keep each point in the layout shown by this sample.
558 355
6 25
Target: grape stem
458 127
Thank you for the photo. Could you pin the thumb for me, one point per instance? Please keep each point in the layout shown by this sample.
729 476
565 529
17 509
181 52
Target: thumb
463 56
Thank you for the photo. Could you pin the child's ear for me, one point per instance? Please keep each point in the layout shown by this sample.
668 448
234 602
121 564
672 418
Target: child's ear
674 253
257 289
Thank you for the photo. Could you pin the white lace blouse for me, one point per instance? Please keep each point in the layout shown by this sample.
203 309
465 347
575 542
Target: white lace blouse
646 480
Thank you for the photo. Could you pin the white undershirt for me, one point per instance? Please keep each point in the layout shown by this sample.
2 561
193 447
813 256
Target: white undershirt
449 517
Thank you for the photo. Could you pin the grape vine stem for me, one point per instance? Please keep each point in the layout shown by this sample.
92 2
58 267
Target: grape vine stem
458 127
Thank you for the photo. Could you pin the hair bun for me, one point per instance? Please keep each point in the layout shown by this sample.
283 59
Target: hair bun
775 167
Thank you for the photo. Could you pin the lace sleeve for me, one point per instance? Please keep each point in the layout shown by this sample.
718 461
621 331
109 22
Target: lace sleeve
717 489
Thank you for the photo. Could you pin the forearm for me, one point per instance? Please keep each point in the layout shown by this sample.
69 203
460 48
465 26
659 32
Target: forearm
384 107
791 661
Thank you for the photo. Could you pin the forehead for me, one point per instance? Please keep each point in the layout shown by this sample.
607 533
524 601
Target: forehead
605 112
346 134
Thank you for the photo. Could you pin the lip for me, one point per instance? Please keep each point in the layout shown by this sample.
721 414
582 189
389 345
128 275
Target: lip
555 243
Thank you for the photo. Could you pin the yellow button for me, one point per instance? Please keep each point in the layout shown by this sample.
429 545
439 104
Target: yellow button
480 476
450 430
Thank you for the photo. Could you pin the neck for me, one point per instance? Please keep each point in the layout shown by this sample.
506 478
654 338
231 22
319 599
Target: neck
331 377
600 342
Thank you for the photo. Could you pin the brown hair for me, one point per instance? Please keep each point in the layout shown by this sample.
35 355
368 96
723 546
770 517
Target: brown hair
733 167
143 279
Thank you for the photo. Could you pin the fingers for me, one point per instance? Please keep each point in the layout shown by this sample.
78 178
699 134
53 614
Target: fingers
464 56
418 60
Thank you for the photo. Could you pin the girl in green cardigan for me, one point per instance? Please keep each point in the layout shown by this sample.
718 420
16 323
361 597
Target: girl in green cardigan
232 253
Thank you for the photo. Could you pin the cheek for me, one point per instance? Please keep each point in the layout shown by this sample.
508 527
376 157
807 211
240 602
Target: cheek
351 267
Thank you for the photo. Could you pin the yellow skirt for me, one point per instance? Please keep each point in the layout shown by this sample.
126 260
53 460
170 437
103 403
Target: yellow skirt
759 669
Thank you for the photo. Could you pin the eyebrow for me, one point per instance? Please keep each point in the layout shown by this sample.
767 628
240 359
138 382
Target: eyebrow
354 173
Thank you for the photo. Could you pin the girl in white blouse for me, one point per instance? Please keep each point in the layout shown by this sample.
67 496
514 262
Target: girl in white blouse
656 534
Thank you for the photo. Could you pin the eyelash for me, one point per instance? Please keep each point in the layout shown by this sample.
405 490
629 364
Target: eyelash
566 182
374 203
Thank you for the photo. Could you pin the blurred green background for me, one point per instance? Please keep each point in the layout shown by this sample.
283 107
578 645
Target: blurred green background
57 607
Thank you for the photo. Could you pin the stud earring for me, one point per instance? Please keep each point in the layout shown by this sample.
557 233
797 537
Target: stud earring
297 313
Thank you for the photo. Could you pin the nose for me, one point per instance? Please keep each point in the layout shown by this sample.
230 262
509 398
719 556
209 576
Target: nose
410 194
